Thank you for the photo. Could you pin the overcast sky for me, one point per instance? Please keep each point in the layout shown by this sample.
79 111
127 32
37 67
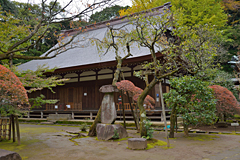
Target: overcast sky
75 2
77 5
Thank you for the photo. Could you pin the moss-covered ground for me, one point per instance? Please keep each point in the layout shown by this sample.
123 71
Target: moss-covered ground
40 142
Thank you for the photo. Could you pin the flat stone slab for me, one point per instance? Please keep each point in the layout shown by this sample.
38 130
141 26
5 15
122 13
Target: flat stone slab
78 133
73 132
137 143
47 123
106 131
9 155
57 117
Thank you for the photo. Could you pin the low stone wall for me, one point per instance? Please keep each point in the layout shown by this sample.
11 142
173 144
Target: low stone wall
9 155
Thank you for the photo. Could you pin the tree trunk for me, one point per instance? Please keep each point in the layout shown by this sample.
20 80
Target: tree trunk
140 101
92 131
137 118
123 109
164 114
117 72
134 116
172 122
18 130
185 129
129 100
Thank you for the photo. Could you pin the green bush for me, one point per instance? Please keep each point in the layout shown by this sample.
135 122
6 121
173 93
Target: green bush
149 129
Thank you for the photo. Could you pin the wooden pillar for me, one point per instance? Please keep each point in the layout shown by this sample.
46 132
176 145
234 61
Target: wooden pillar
113 69
9 128
72 115
167 89
132 71
41 115
78 73
162 117
0 129
96 71
13 128
63 74
91 115
4 123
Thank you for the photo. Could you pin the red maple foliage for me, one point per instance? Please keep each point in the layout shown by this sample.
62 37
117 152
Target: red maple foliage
226 102
12 91
126 85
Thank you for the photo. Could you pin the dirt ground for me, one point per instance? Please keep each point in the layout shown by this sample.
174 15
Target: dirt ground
45 142
213 128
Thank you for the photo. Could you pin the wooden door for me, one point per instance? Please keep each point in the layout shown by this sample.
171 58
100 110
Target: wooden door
88 97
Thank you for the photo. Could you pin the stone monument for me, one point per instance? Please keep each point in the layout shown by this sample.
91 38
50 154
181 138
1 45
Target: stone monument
108 112
106 129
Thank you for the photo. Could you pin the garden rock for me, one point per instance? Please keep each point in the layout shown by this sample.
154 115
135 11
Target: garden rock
137 143
9 155
107 131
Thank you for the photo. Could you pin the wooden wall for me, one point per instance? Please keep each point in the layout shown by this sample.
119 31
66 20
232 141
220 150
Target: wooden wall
85 95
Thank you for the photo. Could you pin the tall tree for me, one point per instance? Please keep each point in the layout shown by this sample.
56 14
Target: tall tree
8 6
29 36
191 12
232 9
189 48
23 35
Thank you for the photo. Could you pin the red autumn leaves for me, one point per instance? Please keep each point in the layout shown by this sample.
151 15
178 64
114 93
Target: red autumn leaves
12 91
128 86
226 101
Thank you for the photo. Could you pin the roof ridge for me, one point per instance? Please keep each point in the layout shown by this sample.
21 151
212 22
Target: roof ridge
115 21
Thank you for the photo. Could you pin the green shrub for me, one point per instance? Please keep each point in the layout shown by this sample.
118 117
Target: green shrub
116 134
149 129
83 127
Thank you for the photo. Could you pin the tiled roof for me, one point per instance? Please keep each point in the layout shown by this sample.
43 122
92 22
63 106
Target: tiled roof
82 52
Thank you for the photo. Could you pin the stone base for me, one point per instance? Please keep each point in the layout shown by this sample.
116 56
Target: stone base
137 143
9 155
59 117
106 131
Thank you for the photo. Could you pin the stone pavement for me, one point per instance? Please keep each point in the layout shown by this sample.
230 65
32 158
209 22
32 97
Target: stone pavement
232 154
